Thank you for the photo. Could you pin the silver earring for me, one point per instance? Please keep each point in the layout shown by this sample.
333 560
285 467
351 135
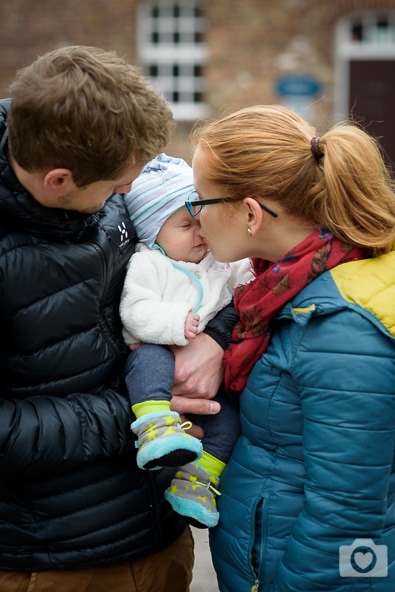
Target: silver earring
249 231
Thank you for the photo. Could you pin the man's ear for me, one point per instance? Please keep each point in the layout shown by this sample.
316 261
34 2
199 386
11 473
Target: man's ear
57 179
254 215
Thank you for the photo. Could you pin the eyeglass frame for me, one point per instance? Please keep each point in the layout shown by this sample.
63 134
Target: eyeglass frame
205 202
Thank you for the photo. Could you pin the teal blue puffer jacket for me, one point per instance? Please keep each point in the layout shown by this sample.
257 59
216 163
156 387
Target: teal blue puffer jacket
308 497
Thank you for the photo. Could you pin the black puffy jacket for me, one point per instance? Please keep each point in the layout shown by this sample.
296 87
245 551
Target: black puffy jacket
70 492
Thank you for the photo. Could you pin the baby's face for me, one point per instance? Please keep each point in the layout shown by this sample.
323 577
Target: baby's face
180 237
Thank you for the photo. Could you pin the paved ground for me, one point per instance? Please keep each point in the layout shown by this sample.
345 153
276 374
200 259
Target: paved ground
204 579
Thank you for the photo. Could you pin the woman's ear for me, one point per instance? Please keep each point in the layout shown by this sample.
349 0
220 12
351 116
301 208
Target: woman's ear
57 179
254 215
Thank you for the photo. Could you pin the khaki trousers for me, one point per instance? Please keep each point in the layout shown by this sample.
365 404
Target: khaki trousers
167 571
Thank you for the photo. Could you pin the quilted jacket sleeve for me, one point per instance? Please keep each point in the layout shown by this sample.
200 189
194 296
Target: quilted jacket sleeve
221 326
344 367
84 426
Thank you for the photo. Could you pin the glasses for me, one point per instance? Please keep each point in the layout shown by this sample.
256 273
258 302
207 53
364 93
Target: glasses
194 206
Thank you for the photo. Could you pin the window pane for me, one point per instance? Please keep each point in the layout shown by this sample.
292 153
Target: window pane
372 28
356 31
173 52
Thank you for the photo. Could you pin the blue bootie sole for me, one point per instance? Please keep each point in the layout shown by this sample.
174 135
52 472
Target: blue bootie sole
197 515
169 451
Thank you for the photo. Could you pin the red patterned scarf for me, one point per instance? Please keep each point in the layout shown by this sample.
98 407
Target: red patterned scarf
275 285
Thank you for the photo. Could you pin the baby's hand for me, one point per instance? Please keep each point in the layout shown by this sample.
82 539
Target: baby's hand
191 325
134 346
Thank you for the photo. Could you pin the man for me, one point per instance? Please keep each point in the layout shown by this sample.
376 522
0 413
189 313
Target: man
76 514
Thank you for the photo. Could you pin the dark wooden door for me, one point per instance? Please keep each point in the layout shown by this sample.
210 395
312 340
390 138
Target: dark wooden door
372 101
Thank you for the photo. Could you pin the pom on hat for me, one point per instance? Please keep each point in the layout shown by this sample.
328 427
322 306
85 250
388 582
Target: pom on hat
161 189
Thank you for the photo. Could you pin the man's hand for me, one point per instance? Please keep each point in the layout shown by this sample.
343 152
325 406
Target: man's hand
198 376
198 368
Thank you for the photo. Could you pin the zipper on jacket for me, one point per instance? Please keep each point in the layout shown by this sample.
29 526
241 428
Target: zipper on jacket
105 329
256 584
100 251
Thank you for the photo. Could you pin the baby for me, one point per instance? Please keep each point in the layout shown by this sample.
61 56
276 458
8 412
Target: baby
173 287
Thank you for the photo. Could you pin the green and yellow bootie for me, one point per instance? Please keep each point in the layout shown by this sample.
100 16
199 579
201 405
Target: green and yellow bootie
192 494
162 442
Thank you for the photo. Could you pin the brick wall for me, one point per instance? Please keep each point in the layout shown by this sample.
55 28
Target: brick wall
28 29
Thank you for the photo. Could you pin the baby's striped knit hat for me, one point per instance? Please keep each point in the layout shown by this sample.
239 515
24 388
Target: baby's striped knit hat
161 189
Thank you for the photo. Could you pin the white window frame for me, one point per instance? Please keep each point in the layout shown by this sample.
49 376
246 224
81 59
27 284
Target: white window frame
375 46
178 63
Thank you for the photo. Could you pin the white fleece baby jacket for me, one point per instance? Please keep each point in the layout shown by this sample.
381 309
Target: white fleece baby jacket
157 295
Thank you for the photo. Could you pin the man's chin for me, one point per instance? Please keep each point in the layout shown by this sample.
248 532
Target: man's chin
93 210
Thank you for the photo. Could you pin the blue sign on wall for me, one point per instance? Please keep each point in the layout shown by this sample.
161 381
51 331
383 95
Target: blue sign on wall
297 85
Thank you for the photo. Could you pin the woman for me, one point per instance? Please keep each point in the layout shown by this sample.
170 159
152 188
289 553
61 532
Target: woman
308 497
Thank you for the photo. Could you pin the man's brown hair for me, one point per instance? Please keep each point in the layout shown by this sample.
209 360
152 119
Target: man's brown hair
87 110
